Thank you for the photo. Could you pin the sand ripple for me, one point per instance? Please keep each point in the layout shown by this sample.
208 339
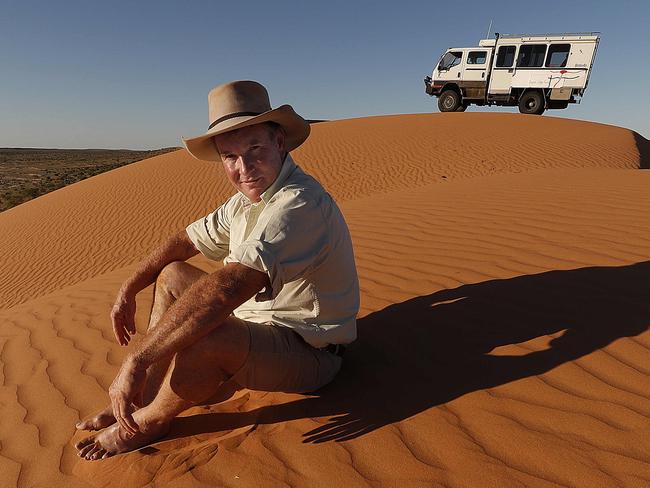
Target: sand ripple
503 339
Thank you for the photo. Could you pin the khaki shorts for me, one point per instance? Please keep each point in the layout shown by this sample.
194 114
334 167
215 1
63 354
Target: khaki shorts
280 360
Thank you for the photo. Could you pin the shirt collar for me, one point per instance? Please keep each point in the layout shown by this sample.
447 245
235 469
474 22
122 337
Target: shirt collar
288 166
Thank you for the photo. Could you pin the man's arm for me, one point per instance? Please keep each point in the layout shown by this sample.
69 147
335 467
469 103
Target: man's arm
198 311
179 247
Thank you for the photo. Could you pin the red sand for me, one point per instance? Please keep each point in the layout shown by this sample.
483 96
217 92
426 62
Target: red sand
503 339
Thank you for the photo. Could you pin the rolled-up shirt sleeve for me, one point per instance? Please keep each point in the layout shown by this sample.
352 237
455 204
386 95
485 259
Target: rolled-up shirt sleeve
287 243
211 234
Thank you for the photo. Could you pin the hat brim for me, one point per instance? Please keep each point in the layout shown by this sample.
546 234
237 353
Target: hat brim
296 128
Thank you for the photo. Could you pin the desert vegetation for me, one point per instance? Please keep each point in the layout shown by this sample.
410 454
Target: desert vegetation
29 173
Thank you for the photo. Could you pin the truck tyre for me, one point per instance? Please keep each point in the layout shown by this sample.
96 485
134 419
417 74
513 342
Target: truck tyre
449 101
531 102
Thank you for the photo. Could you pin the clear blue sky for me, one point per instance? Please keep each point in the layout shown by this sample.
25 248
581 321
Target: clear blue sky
136 74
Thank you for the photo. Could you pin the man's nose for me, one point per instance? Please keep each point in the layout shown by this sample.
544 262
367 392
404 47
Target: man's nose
246 164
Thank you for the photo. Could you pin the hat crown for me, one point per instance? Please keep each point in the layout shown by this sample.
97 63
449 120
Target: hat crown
240 104
236 97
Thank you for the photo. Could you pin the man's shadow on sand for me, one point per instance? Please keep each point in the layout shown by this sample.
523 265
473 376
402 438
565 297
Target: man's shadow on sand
429 350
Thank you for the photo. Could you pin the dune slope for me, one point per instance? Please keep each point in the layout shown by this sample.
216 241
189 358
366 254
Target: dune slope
111 220
503 336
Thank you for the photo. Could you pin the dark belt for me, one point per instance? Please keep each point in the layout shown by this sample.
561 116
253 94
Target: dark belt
336 349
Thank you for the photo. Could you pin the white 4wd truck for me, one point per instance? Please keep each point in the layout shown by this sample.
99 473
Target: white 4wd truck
534 72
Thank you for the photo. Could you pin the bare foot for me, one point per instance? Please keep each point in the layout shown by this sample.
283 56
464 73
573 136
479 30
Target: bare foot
114 440
99 421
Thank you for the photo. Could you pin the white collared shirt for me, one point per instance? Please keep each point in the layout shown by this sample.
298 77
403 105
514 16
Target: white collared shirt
297 235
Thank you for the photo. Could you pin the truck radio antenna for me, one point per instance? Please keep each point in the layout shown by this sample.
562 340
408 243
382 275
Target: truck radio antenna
489 29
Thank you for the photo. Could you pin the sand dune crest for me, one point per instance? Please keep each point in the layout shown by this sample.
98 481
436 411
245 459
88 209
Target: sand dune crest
503 337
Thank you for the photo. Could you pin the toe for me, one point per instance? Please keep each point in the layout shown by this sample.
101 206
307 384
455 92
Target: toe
98 453
83 452
85 442
95 447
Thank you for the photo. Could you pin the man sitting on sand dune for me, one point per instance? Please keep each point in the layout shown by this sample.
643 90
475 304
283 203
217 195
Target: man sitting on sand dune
273 318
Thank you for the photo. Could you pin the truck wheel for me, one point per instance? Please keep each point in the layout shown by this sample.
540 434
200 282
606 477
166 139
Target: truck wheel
449 101
531 102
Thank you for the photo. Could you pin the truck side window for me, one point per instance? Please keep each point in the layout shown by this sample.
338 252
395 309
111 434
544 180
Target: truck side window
476 57
450 59
558 55
531 56
505 56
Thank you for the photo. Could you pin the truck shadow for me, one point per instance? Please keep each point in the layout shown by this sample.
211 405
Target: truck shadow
432 349
643 145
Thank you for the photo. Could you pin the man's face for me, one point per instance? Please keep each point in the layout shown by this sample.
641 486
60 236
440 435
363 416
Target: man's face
252 158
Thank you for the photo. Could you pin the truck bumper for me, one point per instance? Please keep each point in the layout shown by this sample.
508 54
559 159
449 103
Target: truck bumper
430 88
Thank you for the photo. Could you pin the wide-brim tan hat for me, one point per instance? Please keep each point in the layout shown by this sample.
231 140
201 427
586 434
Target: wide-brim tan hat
239 104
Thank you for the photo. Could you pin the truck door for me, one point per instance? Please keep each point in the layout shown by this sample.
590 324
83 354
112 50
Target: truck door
450 67
474 78
503 70
476 66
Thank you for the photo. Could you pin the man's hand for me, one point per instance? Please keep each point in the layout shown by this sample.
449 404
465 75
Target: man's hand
123 318
126 387
178 247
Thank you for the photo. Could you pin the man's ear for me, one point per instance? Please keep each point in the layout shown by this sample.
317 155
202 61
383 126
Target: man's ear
280 139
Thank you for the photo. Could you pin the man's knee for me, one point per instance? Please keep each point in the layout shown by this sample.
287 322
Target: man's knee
170 273
177 276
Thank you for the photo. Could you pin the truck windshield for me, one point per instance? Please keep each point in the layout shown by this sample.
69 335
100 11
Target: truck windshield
450 59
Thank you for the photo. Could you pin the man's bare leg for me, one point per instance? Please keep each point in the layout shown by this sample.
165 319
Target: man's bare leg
172 281
196 374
